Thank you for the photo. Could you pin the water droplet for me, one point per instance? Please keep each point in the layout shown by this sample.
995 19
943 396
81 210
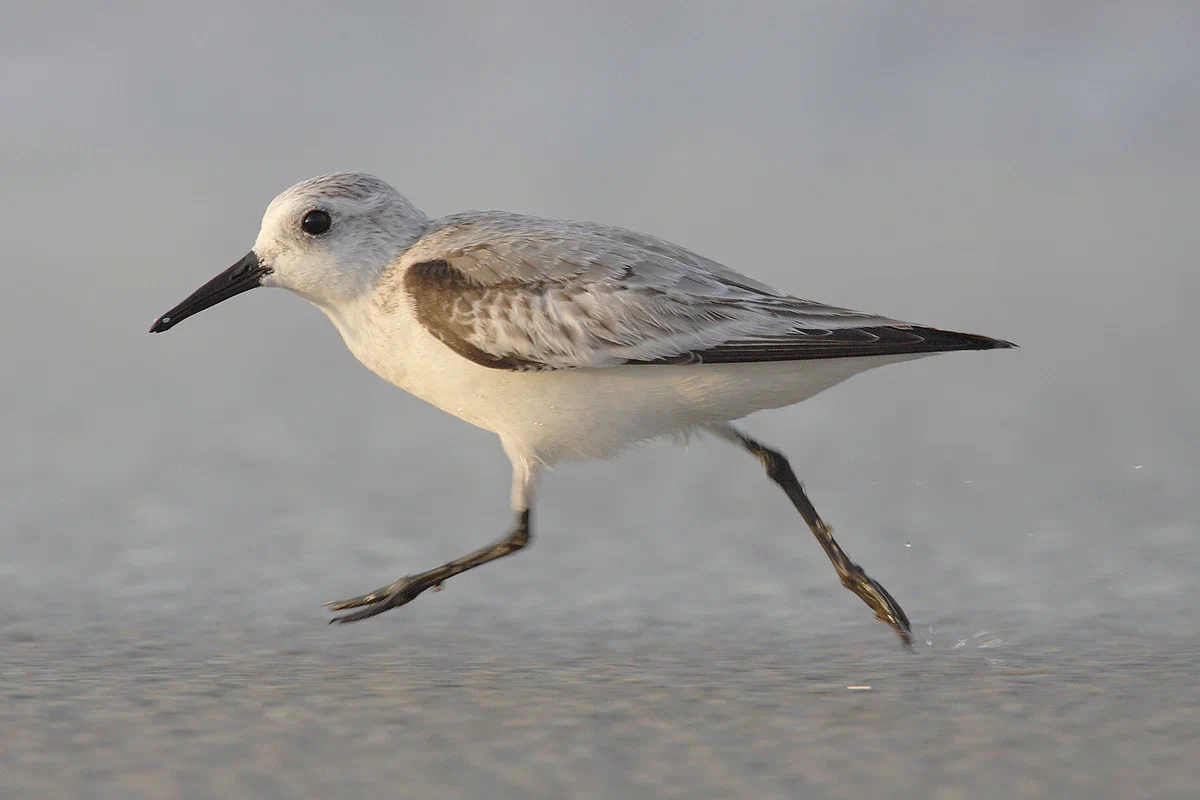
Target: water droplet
929 642
1135 466
908 544
961 643
968 481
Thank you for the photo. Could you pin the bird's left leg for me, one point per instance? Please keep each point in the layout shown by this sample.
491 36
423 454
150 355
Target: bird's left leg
407 588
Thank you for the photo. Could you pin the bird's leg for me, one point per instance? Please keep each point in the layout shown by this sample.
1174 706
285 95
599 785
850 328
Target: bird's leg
407 588
852 575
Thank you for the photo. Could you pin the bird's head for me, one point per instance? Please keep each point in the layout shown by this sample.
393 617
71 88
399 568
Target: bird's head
327 239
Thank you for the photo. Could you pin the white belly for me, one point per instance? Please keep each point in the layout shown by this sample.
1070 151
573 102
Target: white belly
584 413
596 413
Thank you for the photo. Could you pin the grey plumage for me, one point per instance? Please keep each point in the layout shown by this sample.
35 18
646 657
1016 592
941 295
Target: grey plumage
526 293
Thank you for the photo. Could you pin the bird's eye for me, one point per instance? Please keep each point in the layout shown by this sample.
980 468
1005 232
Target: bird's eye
316 222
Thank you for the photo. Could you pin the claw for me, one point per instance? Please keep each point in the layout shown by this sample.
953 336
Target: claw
879 600
380 594
366 613
382 599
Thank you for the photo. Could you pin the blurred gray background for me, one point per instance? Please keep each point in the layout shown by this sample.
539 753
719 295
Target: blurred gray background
175 508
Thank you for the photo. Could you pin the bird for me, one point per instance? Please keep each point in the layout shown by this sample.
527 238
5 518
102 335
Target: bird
569 340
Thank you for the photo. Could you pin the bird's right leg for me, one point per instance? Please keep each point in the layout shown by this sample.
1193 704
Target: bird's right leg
853 576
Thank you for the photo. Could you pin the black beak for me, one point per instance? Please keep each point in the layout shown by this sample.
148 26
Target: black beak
241 277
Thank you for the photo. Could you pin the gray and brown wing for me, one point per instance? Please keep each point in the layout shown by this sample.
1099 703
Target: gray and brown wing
523 293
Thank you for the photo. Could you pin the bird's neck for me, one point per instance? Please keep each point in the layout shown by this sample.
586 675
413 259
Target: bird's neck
370 340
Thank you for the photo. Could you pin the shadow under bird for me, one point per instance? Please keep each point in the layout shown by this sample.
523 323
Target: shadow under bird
569 340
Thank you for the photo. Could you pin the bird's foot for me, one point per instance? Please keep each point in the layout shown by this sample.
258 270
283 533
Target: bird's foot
383 599
881 601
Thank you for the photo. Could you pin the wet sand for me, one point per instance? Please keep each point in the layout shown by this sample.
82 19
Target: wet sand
468 708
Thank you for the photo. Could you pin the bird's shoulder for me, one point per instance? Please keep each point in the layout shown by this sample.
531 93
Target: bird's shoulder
499 248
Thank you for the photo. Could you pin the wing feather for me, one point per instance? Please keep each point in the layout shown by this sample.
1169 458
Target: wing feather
524 293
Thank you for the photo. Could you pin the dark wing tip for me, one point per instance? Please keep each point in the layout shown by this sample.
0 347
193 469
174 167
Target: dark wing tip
808 345
939 340
936 340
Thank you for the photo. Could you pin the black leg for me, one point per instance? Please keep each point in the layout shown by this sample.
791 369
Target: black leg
407 588
853 577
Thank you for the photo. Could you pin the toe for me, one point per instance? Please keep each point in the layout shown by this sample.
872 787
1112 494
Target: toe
388 597
382 593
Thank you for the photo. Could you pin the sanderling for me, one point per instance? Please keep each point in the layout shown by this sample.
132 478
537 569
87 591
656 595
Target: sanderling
569 340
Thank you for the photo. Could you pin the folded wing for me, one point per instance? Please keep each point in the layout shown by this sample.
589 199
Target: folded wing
523 293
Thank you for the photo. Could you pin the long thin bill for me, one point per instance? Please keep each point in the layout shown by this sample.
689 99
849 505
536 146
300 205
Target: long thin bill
243 276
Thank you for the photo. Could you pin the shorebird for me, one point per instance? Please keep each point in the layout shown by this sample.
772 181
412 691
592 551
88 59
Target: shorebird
570 341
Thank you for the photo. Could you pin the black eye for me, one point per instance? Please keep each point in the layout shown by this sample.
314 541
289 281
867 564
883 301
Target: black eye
316 222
